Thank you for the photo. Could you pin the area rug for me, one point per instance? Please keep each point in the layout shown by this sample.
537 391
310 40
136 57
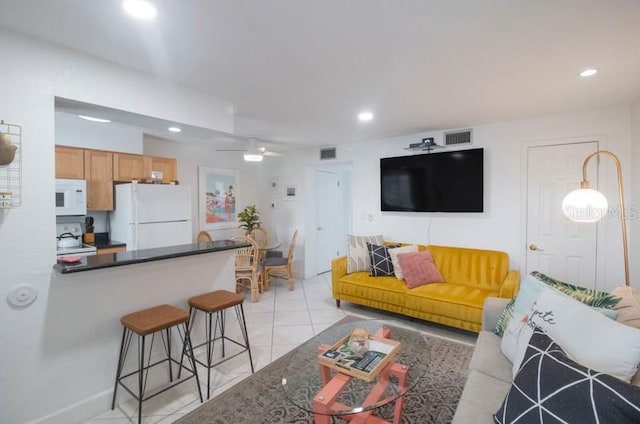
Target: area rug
261 399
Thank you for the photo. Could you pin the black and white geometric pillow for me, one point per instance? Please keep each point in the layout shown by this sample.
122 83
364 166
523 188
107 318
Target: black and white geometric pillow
551 388
381 265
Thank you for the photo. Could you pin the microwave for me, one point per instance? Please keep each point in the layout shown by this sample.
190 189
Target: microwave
71 197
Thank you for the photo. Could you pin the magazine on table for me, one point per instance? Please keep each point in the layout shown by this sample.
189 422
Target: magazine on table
366 366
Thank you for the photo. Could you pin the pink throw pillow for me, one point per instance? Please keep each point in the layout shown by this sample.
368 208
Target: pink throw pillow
419 268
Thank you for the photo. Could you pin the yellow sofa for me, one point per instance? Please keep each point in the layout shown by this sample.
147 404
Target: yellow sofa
470 276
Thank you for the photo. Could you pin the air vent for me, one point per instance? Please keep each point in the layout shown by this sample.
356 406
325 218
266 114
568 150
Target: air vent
457 137
328 153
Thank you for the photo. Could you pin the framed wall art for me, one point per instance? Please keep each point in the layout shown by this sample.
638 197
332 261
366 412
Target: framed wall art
290 192
217 198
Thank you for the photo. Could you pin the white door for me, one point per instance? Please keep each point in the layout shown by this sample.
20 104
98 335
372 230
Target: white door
165 234
331 215
556 246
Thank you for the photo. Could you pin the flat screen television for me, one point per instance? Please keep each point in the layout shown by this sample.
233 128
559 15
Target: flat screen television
433 182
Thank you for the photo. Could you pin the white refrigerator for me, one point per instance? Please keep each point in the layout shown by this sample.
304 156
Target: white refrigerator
151 215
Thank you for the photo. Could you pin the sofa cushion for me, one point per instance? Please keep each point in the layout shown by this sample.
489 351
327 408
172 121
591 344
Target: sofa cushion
483 269
394 252
418 268
481 398
551 387
488 359
450 300
381 265
387 290
357 254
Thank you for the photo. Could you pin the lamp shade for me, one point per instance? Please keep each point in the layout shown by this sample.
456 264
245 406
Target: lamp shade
585 205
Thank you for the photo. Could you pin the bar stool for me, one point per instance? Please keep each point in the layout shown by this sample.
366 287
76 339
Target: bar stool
148 322
218 302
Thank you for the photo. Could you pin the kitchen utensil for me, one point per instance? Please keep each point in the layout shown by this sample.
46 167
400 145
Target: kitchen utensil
68 240
88 223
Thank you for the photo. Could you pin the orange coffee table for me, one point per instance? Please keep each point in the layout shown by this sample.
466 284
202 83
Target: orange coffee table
328 393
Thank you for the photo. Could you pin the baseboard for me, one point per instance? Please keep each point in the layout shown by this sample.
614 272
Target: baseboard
79 411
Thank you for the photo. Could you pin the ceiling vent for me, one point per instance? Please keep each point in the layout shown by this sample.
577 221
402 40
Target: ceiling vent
457 137
328 153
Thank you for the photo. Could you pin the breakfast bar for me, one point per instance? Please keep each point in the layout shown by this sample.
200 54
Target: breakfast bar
88 297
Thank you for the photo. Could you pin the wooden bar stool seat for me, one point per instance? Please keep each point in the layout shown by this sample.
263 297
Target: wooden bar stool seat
158 319
217 302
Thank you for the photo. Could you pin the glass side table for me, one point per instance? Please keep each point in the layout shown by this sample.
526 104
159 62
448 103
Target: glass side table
327 393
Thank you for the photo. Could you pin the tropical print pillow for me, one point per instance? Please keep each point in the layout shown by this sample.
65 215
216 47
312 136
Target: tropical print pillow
589 297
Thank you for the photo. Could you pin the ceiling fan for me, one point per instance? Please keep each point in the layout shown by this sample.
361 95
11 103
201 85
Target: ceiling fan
253 152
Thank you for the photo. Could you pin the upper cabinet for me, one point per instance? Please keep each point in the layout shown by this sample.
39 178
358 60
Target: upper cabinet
168 167
127 167
69 162
98 171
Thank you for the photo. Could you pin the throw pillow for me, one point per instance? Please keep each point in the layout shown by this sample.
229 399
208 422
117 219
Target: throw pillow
587 336
530 289
357 254
552 388
629 307
419 268
397 271
587 296
381 265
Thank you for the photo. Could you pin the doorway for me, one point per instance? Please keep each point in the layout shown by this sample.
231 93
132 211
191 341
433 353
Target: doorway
556 246
332 216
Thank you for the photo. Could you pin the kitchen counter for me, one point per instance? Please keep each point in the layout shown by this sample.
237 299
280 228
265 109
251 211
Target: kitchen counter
108 244
89 263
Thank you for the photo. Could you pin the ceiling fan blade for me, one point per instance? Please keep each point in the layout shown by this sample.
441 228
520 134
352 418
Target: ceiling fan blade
274 154
232 150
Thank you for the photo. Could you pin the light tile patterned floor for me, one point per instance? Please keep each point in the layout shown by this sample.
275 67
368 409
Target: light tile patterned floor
277 324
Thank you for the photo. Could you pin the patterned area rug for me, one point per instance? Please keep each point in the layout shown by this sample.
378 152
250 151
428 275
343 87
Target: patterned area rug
261 399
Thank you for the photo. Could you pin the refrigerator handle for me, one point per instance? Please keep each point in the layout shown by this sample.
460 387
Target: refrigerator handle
134 204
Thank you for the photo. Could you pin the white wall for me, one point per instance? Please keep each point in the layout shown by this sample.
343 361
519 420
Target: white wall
36 380
77 132
501 226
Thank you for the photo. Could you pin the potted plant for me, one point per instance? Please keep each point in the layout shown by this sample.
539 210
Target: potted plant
250 218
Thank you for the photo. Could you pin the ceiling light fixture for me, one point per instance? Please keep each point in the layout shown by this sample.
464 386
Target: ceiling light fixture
93 119
365 116
588 72
253 157
140 9
175 129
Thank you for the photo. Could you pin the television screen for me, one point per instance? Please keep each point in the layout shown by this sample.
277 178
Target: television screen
433 182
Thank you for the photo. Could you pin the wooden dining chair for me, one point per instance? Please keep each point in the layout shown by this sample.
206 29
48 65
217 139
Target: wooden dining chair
204 236
280 267
248 268
260 236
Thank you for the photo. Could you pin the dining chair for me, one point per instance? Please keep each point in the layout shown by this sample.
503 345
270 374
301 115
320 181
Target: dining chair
204 236
281 266
248 268
261 236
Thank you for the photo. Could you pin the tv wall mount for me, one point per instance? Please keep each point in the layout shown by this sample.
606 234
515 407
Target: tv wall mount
427 144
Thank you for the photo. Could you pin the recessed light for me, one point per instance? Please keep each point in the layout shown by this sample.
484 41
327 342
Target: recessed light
140 9
588 72
93 119
365 116
175 129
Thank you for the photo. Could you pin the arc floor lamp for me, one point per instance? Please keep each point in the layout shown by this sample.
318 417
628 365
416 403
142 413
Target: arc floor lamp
588 205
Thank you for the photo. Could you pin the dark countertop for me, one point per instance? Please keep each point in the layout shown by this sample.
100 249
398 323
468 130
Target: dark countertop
109 260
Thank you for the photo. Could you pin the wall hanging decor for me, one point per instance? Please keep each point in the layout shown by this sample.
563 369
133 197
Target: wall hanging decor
10 165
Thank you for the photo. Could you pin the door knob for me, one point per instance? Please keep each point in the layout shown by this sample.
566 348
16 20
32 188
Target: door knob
534 247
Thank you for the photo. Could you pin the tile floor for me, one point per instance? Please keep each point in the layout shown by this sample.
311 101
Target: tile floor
278 323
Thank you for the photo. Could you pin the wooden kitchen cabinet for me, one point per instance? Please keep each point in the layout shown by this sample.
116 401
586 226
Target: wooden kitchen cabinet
127 167
98 171
168 167
69 162
105 250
